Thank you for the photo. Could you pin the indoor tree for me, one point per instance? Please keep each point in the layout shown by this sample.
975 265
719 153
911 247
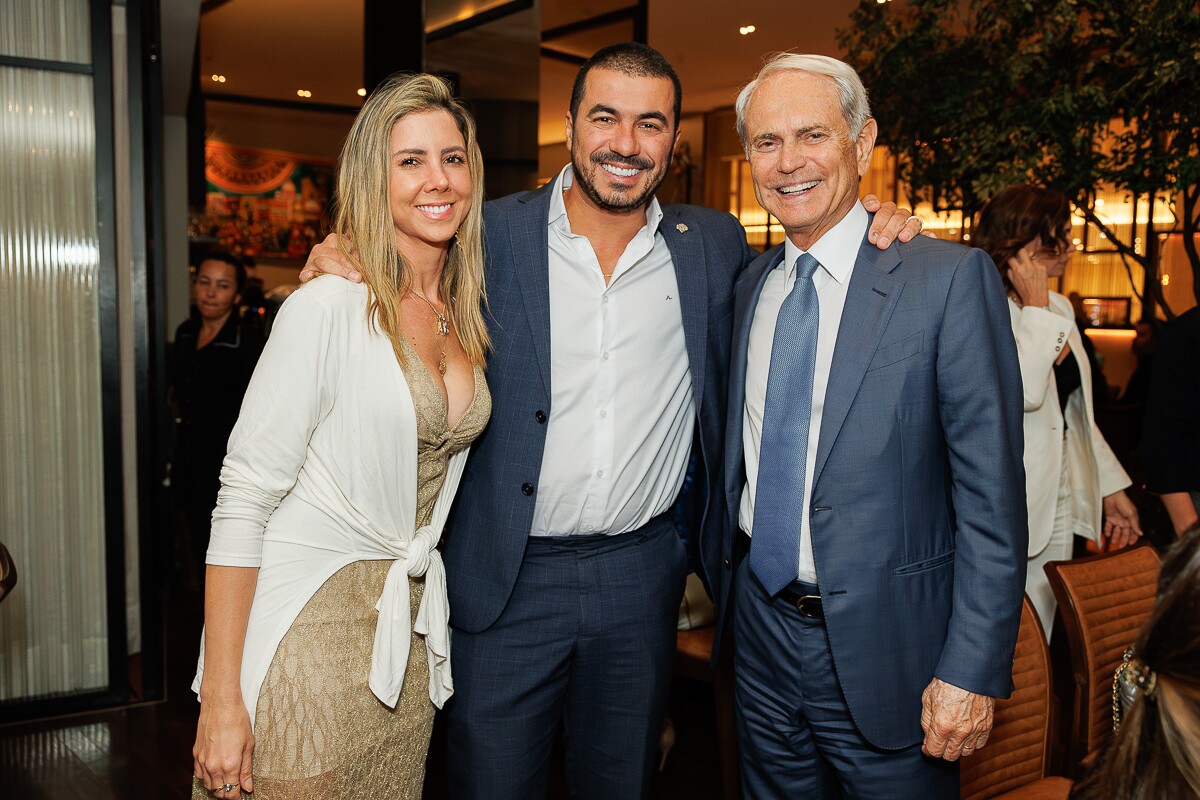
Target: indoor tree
1080 95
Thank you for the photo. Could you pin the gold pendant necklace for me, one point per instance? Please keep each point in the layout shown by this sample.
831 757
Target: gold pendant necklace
441 328
443 324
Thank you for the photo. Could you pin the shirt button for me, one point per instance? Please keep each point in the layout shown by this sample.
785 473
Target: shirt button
603 414
604 300
599 473
526 489
540 416
605 356
589 527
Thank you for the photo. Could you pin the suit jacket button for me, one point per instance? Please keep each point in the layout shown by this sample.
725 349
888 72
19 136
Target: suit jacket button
527 489
727 563
540 416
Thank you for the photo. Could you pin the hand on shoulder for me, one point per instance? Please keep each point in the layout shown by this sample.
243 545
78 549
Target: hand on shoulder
891 222
327 258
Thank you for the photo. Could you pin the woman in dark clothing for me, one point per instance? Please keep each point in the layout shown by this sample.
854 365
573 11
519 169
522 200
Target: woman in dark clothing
215 353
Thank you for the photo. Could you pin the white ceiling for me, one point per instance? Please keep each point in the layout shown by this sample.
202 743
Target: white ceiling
272 48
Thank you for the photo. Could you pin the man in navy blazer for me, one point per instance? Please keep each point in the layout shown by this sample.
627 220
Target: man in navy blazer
893 505
611 320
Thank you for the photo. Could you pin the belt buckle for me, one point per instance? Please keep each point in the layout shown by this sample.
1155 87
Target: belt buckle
809 605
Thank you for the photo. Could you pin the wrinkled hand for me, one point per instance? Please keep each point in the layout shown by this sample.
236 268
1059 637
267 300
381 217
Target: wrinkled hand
1121 527
224 747
1030 279
890 222
956 722
327 259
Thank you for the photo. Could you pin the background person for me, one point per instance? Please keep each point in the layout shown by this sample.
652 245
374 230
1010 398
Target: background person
1171 433
1072 479
214 354
1155 753
326 619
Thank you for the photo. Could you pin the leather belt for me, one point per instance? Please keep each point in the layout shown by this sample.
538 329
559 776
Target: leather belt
809 605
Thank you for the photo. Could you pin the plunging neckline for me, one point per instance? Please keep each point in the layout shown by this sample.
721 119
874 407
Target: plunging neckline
444 399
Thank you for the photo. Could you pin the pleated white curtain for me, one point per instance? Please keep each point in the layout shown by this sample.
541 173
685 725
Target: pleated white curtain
53 629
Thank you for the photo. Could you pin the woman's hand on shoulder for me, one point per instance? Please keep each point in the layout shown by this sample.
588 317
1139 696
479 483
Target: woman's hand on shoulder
327 259
224 748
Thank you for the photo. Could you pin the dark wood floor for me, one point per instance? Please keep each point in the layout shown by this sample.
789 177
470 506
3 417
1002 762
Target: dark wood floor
144 751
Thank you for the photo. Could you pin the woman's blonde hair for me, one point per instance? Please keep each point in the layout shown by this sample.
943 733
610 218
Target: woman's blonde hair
1156 752
364 219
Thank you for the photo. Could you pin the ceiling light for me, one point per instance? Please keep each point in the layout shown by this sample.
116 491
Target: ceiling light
745 29
303 93
362 92
218 78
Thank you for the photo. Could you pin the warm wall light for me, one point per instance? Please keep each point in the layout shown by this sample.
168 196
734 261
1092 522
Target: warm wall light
1166 280
745 29
218 78
362 92
303 93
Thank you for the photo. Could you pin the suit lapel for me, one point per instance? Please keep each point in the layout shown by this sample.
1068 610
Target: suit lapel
529 231
870 300
691 276
749 287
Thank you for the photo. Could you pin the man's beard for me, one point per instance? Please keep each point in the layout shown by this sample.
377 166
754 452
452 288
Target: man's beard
620 203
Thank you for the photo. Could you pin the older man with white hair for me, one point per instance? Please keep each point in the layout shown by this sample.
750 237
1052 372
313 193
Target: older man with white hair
873 466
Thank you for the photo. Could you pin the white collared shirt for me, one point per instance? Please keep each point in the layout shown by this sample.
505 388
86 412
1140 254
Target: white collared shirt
621 407
836 251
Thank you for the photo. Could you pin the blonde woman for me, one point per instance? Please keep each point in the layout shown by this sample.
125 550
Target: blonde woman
326 647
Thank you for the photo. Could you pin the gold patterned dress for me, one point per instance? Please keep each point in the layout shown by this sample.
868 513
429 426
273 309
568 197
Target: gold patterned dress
319 731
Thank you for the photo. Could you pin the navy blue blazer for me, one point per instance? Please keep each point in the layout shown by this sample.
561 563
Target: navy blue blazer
493 512
918 515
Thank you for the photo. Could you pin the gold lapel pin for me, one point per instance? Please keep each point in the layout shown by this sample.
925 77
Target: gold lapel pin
681 228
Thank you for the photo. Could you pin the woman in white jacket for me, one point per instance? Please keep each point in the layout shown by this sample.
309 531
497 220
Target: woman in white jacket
1073 481
326 643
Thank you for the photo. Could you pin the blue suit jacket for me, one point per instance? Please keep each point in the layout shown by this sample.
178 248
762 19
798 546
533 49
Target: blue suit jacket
494 508
918 505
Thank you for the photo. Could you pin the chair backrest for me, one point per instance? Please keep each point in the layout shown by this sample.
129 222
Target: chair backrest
1016 751
1104 599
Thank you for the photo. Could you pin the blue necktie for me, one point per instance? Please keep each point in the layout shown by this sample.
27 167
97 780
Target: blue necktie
779 498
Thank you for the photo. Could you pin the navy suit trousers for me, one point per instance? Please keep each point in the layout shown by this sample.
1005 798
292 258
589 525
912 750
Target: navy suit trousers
586 641
796 734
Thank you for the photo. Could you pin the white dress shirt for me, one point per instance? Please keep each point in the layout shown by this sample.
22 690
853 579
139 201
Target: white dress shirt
836 251
621 404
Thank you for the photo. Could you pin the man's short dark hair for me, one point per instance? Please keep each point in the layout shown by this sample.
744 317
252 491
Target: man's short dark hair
629 58
228 257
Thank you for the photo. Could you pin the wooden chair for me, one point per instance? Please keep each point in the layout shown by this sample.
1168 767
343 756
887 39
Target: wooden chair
8 572
1103 599
693 650
1013 762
